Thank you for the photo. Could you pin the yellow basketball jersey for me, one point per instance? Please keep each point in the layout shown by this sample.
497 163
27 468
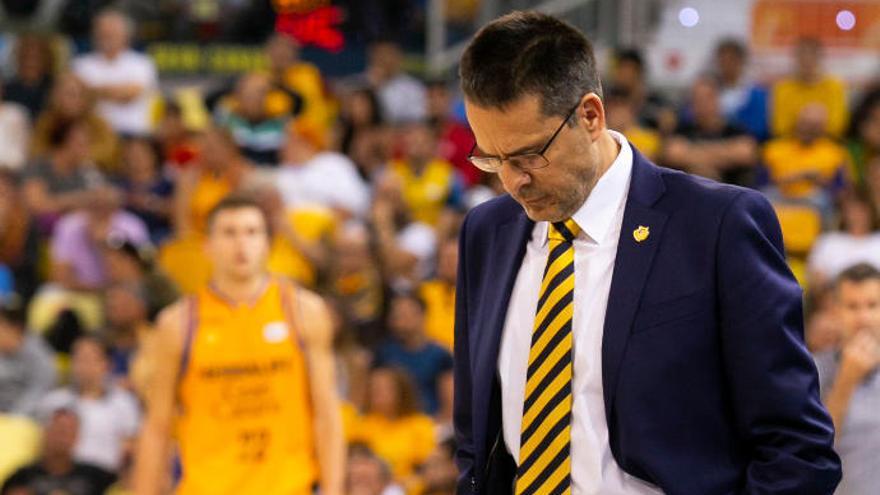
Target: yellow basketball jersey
245 425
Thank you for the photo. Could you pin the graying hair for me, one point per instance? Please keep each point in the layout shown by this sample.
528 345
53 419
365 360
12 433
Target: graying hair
526 53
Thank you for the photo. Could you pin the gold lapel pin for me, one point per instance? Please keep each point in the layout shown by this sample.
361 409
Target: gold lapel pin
641 233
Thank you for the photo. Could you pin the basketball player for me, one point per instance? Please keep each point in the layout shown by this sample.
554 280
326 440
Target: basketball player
244 377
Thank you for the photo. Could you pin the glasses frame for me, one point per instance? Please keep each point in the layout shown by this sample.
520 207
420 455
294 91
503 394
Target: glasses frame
544 162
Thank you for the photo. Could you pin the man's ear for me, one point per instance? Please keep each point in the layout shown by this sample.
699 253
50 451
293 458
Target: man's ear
591 112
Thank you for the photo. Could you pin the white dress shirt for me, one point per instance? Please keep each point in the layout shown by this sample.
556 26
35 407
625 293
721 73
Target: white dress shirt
14 136
594 470
129 67
105 423
403 99
329 180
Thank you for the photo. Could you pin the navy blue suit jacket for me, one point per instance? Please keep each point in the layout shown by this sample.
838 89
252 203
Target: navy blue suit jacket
708 386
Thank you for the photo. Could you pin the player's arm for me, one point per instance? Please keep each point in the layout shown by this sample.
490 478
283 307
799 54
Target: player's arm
151 459
330 442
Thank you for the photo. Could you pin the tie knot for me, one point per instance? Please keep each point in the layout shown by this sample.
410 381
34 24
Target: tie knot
564 231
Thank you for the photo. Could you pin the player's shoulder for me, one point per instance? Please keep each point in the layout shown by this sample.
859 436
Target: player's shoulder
174 313
312 313
302 298
171 323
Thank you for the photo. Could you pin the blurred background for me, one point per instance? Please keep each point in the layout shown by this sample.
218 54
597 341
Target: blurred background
345 117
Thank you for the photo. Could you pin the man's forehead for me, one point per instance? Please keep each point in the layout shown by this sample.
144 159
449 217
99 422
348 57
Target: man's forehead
869 287
239 216
528 105
507 127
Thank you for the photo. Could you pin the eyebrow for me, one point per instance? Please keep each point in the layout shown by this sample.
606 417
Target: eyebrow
532 148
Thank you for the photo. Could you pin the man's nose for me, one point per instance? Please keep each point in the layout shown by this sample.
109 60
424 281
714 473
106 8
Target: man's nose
513 177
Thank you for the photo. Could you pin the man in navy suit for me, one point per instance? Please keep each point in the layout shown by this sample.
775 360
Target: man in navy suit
620 328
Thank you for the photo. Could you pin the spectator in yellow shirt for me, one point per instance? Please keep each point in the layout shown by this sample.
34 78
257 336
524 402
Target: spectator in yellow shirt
392 426
290 74
355 281
428 182
220 169
439 295
301 236
807 85
808 166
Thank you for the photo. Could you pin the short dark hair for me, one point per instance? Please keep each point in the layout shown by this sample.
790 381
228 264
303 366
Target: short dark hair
529 53
238 201
61 130
12 312
413 296
441 82
152 145
631 56
407 392
101 343
618 93
809 43
734 45
707 79
172 107
858 273
450 445
9 177
363 450
862 196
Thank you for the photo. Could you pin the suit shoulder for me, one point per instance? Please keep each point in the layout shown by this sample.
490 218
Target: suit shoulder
700 194
700 201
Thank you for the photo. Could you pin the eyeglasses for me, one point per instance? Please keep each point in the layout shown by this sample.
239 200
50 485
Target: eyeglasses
524 161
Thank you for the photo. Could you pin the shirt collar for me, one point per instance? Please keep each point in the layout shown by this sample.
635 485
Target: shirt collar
596 214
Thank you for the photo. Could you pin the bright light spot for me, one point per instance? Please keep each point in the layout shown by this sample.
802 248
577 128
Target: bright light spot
688 17
846 20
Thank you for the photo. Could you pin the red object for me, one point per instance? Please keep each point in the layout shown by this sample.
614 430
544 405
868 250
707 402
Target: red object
317 27
182 155
456 141
673 61
297 6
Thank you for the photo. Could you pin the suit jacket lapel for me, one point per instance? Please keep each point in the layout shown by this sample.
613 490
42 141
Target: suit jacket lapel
631 268
508 246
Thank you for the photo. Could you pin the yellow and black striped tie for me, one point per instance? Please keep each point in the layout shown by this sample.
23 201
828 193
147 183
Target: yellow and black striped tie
545 435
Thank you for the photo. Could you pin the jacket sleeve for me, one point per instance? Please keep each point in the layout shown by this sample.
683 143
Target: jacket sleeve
784 429
464 454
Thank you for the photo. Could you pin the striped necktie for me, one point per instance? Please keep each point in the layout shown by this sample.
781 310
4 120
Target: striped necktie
545 435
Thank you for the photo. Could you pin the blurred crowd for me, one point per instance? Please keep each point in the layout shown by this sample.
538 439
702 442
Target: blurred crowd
236 21
107 175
